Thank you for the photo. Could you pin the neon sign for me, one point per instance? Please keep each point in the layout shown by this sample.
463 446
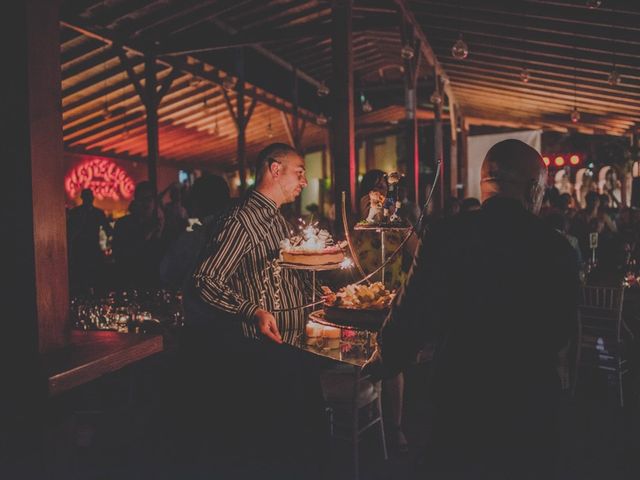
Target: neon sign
103 177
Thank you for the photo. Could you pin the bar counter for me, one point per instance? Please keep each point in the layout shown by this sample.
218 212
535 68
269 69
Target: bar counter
92 354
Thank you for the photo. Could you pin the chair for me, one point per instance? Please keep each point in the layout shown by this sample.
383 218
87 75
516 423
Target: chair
356 406
600 342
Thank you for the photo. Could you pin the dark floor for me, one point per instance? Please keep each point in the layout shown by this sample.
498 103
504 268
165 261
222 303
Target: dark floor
109 430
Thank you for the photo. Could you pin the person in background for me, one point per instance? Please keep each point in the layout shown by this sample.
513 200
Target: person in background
560 224
470 204
209 198
409 211
86 259
137 246
175 215
497 290
452 206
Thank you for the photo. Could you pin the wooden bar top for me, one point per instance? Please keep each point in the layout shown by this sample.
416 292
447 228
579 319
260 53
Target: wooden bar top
92 354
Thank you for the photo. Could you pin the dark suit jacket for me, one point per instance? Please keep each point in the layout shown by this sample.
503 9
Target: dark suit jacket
495 290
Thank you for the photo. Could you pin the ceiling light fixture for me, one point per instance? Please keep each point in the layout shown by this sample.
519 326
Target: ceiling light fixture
407 52
460 49
322 90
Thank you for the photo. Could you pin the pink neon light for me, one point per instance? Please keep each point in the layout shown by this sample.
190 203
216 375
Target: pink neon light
103 177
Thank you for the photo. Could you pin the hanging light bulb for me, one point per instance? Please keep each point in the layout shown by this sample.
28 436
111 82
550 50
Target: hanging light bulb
614 78
460 49
228 82
321 119
524 75
575 115
407 52
323 90
593 4
216 130
367 107
436 98
269 130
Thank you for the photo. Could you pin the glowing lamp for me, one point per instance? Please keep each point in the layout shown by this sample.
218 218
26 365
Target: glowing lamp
559 161
546 161
574 160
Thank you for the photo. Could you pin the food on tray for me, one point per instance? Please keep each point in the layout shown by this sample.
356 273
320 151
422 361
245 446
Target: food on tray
362 297
358 306
312 247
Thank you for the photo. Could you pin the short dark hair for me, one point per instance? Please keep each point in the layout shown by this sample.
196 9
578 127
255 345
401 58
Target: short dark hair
270 154
469 203
86 194
209 194
591 198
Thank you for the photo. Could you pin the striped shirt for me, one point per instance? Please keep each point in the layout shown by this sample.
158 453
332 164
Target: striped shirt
239 274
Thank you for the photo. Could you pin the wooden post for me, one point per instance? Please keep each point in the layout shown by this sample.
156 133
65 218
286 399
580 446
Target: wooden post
151 106
241 117
454 179
411 69
463 164
343 152
240 121
438 146
33 151
35 303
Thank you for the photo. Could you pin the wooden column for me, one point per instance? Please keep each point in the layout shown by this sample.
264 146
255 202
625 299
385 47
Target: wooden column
343 151
35 303
411 70
151 106
150 96
240 118
241 123
438 146
463 163
34 152
294 126
454 170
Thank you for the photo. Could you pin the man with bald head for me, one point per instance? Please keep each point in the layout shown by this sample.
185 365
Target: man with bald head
495 290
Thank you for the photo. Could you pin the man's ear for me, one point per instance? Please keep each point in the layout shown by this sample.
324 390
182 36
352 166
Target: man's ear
274 168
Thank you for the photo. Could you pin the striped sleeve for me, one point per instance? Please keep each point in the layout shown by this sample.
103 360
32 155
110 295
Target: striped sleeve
210 276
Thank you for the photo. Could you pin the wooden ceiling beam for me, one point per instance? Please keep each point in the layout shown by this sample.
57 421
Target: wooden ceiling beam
198 70
609 96
541 97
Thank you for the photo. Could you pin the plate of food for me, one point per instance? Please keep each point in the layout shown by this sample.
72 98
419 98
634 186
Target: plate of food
358 306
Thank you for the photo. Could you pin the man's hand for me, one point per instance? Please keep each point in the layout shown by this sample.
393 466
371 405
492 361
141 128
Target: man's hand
267 325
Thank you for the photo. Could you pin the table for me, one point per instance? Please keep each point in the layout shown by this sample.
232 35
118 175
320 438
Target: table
92 354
